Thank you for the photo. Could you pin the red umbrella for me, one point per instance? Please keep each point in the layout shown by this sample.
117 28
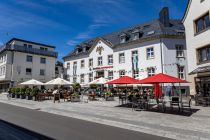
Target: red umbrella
124 80
161 78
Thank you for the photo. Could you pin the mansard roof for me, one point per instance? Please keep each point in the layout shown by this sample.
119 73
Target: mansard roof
147 30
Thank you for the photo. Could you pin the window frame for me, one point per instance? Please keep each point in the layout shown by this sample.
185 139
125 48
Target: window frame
120 75
110 59
28 73
178 50
110 77
181 72
149 73
120 59
82 64
41 60
27 60
199 55
40 72
202 17
90 62
100 61
149 53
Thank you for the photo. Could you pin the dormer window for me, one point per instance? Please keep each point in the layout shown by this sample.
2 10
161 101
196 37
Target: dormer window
123 38
135 34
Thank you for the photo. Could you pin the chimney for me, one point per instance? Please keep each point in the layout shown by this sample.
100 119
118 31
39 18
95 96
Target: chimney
164 16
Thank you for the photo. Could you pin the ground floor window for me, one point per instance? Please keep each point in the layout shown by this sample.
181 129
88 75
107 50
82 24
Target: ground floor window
181 73
122 73
135 73
74 79
110 75
150 71
90 77
82 80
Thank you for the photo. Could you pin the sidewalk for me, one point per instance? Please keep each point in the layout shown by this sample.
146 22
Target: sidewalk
194 127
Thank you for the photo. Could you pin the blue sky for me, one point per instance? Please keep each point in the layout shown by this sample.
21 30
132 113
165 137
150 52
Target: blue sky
65 23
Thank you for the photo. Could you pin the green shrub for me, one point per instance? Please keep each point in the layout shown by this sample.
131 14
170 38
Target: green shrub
76 86
93 86
22 91
28 91
13 90
35 91
17 91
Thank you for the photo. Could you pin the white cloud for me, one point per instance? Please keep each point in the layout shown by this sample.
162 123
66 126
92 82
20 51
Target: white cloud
72 42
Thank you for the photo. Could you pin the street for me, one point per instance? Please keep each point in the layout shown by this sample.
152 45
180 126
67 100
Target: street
22 123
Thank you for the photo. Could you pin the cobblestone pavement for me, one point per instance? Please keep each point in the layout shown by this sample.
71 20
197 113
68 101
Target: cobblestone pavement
175 126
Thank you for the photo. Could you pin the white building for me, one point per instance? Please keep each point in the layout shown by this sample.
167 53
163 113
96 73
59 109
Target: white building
197 25
21 60
139 51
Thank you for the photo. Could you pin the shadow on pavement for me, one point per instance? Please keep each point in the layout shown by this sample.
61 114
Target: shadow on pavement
175 111
9 131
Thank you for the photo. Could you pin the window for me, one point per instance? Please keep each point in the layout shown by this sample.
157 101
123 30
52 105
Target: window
122 58
28 71
42 60
43 49
122 73
150 71
150 53
3 71
181 73
100 61
204 54
135 35
179 51
74 78
202 23
29 58
110 75
29 46
74 68
42 72
90 62
122 39
25 45
82 63
135 64
82 78
68 66
90 77
110 59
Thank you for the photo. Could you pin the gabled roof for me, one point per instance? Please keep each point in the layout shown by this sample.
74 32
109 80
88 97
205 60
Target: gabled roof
186 10
149 29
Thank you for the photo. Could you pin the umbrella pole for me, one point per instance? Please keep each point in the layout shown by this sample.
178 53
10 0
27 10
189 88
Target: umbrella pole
180 94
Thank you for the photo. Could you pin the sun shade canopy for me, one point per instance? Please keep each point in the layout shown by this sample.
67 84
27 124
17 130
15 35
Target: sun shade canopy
124 80
32 82
161 78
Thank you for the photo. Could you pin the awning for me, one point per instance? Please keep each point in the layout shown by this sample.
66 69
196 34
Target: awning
200 70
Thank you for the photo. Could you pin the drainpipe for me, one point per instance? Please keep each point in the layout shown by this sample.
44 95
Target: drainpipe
161 54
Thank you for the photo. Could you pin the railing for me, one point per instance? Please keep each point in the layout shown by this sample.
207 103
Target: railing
34 50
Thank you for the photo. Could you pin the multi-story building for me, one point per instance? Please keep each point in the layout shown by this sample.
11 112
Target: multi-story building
197 25
22 60
140 51
59 70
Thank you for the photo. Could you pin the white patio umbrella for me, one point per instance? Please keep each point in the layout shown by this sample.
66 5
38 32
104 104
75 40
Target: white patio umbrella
32 82
59 82
99 81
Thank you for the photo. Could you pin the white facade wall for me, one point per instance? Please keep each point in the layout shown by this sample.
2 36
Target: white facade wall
193 40
168 56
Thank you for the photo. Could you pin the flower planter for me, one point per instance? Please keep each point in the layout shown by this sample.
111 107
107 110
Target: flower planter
28 97
75 99
22 96
12 95
17 95
109 98
34 98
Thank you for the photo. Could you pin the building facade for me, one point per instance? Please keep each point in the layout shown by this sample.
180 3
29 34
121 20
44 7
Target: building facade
197 26
22 60
59 70
140 51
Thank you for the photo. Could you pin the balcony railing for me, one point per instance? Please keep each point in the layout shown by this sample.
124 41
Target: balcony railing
34 51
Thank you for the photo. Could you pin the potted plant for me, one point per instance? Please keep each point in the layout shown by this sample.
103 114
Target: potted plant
12 92
22 93
34 93
76 87
109 96
28 94
75 97
17 92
